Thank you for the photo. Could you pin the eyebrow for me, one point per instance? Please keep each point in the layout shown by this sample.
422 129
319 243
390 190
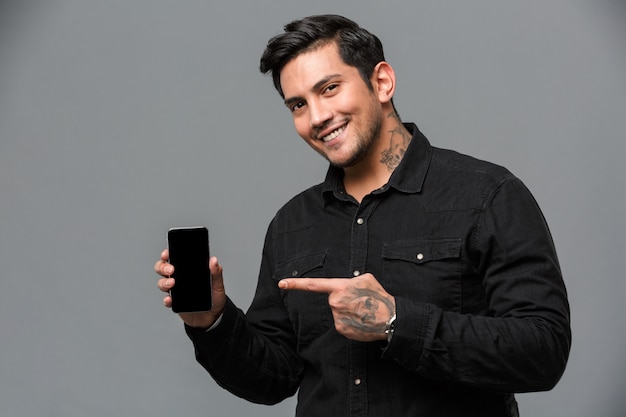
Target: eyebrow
316 86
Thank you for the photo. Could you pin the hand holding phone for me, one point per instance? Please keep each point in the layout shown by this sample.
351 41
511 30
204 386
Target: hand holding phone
189 254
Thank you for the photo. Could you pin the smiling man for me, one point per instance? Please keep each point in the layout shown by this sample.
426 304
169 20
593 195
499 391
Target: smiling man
414 281
345 118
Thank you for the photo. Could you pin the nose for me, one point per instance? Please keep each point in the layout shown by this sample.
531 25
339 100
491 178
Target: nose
319 114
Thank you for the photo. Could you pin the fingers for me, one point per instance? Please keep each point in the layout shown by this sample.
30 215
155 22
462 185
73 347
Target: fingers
360 305
330 285
163 268
167 301
166 284
323 285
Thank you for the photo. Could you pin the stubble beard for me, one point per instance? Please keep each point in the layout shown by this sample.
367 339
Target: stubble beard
363 144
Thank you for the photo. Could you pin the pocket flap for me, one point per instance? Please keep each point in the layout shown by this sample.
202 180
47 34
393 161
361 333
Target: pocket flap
301 265
420 251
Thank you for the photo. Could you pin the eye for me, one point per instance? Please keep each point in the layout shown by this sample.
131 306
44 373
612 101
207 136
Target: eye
331 87
296 106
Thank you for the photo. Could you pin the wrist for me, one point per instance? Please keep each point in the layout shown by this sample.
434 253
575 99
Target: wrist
216 323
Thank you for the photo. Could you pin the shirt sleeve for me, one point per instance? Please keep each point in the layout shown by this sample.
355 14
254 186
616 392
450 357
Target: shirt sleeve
522 343
253 359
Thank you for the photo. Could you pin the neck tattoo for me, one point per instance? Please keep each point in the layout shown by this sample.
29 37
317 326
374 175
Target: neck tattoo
398 142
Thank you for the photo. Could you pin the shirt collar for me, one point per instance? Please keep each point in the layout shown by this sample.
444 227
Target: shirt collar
408 177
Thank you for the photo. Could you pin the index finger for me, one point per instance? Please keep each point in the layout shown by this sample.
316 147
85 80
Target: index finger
323 285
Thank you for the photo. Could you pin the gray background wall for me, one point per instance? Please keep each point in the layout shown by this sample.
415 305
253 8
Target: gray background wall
119 119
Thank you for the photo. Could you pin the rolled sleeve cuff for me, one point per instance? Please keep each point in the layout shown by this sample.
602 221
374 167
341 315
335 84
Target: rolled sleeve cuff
411 330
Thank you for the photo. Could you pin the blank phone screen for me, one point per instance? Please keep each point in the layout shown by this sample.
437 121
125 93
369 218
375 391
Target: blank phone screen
189 254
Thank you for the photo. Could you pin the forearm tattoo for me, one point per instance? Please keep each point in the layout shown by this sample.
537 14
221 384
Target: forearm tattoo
368 303
398 142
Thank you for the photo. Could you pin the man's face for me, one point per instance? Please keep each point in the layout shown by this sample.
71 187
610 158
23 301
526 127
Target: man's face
333 109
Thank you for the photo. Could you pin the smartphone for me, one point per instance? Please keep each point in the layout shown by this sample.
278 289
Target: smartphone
189 254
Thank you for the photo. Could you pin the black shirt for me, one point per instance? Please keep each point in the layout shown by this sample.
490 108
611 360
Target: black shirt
461 244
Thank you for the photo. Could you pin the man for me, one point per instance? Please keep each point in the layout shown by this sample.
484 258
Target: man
414 281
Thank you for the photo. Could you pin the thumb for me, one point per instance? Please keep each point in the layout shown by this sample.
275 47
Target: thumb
218 292
216 272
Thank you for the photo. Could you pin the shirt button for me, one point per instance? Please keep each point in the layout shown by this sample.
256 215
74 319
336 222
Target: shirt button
420 256
356 273
360 220
294 273
357 381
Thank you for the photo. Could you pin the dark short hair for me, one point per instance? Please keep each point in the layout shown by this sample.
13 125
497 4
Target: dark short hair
357 47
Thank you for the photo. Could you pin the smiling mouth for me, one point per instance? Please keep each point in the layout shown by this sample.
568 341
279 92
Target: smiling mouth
332 135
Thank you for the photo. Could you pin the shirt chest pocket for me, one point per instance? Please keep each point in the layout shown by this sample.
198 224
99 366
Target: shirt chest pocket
309 312
425 270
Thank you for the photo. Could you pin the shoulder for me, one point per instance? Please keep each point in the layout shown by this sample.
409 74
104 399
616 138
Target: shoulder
452 169
455 180
446 161
300 211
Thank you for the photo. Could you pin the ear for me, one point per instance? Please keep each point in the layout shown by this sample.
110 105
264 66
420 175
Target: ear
384 81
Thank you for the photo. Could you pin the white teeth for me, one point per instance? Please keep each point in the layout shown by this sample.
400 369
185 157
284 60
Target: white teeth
332 135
